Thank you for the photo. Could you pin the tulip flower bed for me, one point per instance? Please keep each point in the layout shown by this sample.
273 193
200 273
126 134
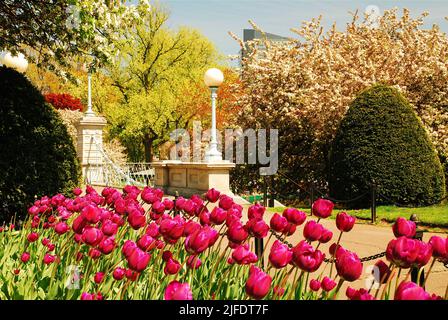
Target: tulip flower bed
136 244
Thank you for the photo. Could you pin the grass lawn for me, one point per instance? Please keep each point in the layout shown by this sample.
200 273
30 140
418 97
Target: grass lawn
435 216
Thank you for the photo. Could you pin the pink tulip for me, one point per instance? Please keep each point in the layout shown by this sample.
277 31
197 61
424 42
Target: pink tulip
94 253
328 284
99 276
146 243
138 260
119 273
225 202
345 222
172 229
306 257
131 275
168 203
178 291
313 230
322 208
280 255
128 247
107 245
278 223
256 212
61 228
411 291
439 248
91 214
48 258
405 252
348 266
79 224
294 216
193 262
237 233
87 296
190 227
326 236
404 228
258 284
109 228
315 285
257 228
136 220
25 257
290 229
33 211
278 291
242 255
171 267
218 216
77 191
92 236
204 218
361 294
212 195
199 240
33 236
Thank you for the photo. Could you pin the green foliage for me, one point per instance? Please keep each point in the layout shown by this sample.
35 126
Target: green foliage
381 139
38 156
153 72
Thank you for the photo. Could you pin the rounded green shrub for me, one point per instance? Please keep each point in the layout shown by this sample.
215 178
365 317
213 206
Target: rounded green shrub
381 140
37 154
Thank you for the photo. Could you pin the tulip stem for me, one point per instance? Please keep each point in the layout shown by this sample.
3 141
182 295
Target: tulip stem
214 269
429 271
334 254
396 282
335 294
260 259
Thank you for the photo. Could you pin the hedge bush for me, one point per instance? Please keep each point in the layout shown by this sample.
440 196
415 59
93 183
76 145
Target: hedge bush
382 140
37 155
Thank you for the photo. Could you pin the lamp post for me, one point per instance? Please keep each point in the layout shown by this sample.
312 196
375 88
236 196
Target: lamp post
213 78
89 111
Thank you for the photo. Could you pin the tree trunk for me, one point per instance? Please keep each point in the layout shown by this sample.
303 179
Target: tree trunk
148 149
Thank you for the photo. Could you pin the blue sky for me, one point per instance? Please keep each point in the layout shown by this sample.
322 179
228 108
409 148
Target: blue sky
214 18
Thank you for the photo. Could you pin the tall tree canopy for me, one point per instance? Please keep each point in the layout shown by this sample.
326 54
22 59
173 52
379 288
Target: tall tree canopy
152 71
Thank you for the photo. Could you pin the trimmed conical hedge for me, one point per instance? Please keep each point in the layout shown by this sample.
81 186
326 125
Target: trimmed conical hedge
382 140
37 155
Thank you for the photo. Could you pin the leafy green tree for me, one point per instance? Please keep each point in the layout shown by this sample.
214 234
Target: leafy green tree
154 67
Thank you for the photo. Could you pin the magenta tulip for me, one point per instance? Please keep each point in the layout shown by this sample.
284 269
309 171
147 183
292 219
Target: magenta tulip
257 228
328 284
322 208
313 230
405 252
439 248
138 260
178 291
411 291
107 245
212 195
218 216
98 278
404 228
146 243
33 236
237 233
306 257
48 258
258 284
345 222
242 255
256 211
25 257
92 236
326 236
315 285
119 273
278 223
348 266
225 202
171 267
193 262
294 216
280 255
61 228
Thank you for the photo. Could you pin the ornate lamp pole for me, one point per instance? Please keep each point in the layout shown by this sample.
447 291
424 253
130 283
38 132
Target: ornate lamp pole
213 78
89 111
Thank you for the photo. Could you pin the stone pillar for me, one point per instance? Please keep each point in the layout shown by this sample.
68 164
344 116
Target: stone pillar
188 178
90 128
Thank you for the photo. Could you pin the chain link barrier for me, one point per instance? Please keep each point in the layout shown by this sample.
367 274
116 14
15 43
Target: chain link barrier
369 258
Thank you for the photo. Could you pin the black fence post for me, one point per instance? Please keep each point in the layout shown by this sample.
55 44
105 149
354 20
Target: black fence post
414 270
175 199
259 246
373 202
311 198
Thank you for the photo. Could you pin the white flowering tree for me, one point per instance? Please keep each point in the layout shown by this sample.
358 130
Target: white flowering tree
52 33
304 86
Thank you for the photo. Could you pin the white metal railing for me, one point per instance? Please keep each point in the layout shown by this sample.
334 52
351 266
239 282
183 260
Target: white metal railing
108 173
